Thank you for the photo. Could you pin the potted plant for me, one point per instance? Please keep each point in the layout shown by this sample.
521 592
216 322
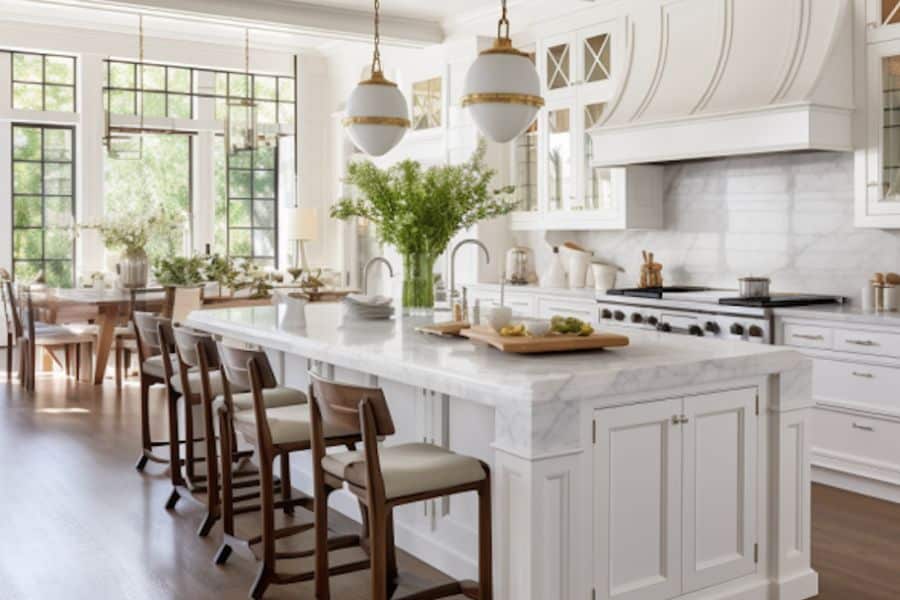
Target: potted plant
419 210
130 234
223 271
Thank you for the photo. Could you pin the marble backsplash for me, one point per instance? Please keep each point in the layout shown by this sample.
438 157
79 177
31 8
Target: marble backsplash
785 216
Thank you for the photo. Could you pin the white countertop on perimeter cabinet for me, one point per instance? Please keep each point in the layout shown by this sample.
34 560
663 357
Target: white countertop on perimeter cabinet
587 293
846 313
393 350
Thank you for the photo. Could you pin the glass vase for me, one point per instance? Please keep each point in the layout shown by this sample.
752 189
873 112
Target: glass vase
418 284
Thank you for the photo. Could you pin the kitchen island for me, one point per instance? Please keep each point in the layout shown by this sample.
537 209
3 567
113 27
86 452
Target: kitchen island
674 467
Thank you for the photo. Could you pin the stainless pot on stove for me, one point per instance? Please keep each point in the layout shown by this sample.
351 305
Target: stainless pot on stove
754 287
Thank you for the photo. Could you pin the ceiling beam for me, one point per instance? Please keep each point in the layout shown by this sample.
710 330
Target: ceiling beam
282 15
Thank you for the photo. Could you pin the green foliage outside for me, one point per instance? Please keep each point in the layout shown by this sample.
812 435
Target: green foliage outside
160 180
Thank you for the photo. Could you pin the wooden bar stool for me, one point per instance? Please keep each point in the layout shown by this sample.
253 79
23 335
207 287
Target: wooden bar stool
276 432
387 477
150 349
241 475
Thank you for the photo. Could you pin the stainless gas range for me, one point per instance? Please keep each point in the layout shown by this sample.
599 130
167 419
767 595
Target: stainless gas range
701 312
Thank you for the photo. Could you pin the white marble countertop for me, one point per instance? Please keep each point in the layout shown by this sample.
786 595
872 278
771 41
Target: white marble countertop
460 368
587 293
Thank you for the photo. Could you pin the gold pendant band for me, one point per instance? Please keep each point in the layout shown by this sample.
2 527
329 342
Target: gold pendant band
393 121
503 98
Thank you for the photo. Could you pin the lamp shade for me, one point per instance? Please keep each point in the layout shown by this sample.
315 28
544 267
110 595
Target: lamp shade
377 115
303 224
502 92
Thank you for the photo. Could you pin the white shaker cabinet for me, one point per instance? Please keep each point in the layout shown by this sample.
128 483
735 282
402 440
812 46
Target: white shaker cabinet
675 495
578 70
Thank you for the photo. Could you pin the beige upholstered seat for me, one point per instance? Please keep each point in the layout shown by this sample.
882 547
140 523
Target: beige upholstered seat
408 469
287 424
154 365
215 383
273 398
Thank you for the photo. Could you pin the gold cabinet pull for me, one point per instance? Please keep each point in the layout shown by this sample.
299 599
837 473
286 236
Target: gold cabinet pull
863 375
803 336
863 427
862 342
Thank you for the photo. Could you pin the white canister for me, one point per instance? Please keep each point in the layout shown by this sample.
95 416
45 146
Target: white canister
890 298
579 263
604 277
555 275
867 298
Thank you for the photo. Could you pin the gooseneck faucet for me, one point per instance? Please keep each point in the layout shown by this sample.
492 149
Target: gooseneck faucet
487 259
377 259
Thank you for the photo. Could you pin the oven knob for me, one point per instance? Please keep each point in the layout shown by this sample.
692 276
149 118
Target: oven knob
713 327
637 318
737 329
695 330
755 331
606 314
619 315
665 327
653 321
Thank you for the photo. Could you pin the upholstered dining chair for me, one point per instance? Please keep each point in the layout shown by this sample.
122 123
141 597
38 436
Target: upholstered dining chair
14 325
276 432
52 338
383 478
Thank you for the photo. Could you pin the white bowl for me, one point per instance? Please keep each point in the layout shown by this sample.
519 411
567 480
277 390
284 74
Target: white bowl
499 317
537 327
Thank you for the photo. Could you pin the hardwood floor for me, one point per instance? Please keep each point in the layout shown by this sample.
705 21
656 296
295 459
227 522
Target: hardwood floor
76 520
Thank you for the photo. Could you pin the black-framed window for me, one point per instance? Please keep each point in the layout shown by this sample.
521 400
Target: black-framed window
157 90
273 95
247 204
43 207
43 82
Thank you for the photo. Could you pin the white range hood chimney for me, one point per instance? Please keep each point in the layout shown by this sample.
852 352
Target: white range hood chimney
705 78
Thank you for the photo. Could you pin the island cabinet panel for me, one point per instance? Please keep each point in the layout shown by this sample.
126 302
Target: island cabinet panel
719 439
674 495
637 489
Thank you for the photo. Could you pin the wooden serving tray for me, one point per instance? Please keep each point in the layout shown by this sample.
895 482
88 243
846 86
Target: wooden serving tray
447 329
554 342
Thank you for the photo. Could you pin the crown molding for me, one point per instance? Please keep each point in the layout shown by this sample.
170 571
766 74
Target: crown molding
303 18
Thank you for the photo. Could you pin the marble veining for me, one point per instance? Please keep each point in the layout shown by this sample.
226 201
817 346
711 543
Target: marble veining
785 216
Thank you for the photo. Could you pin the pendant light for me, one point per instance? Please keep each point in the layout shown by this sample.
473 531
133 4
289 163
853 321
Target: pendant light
502 89
377 115
241 134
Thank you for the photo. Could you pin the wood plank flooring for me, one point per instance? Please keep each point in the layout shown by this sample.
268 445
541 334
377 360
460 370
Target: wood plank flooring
76 520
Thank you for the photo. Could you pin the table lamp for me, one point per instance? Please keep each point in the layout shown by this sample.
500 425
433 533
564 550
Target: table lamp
303 226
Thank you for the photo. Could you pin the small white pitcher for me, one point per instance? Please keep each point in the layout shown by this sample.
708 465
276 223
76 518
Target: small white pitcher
291 310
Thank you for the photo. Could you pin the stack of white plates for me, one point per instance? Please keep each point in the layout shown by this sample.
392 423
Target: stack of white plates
358 306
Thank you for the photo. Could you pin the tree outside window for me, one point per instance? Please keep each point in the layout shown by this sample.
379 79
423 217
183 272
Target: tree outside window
43 82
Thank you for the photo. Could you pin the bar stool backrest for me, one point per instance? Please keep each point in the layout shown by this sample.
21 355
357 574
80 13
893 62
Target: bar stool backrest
235 361
339 406
28 331
186 342
146 327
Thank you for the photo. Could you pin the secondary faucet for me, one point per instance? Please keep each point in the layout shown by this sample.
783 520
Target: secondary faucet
487 259
377 259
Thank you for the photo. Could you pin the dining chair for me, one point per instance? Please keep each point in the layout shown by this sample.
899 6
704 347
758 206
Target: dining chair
276 432
182 301
240 474
51 338
383 478
150 350
14 326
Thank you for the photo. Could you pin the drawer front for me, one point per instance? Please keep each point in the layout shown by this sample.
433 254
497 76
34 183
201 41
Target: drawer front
864 438
807 336
867 342
587 310
521 305
865 386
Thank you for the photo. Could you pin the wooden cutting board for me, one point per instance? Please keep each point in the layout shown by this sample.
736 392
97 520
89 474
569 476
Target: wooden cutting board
447 329
554 342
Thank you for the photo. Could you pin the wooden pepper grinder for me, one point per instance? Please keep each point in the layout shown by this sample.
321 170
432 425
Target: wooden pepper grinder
651 272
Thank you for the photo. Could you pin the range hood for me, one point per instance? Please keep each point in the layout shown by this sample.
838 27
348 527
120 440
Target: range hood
706 78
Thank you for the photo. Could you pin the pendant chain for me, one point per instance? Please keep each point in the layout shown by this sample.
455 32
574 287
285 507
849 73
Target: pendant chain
504 22
247 52
376 56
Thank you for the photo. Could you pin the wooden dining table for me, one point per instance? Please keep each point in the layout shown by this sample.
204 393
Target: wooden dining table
109 308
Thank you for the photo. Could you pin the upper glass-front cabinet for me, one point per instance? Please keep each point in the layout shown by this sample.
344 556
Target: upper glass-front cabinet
881 207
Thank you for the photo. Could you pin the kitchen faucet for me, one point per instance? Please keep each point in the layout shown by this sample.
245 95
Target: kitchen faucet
377 259
487 259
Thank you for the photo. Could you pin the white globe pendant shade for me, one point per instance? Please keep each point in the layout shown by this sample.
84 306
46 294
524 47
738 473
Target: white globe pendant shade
377 116
502 92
